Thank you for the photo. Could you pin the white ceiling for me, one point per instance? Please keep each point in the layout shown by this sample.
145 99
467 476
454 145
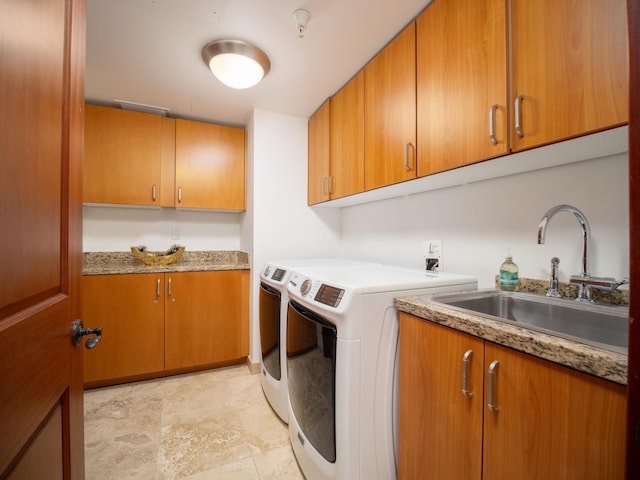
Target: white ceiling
149 51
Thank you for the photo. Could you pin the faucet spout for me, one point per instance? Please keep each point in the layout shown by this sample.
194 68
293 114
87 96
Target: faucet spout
584 225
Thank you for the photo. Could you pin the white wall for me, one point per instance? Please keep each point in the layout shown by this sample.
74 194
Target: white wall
278 223
480 222
115 229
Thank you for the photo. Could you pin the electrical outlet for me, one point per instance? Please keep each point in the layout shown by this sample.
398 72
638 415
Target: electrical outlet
175 233
432 255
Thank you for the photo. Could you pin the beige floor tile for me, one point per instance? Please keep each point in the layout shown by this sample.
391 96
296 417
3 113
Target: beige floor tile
215 424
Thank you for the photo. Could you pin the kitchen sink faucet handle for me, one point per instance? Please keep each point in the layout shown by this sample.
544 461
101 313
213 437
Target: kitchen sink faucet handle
553 280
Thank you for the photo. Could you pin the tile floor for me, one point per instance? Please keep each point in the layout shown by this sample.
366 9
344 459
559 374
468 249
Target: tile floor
209 425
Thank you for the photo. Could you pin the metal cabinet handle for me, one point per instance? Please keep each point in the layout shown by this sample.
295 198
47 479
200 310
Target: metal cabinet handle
518 115
492 124
153 192
179 194
324 186
491 400
407 167
330 184
169 286
158 289
465 370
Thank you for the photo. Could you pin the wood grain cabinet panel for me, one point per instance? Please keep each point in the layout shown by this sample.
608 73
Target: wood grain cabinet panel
319 128
210 166
461 83
347 139
390 112
206 318
570 68
122 157
549 421
130 310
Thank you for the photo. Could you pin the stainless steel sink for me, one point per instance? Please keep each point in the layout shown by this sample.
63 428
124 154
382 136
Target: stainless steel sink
601 326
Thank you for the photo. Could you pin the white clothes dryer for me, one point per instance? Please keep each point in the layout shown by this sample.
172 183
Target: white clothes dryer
341 347
273 302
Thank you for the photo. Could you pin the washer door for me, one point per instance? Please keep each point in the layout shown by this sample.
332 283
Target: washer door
311 371
270 299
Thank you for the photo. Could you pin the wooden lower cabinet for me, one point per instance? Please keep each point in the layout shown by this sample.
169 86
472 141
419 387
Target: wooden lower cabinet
206 318
130 310
551 421
154 324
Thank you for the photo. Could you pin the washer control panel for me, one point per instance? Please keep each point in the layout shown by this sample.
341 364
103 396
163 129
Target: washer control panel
315 290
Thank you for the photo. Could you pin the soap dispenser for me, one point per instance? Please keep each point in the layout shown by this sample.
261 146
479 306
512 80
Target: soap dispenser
509 275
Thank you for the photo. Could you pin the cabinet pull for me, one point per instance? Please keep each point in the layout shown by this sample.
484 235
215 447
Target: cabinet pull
518 115
179 194
465 370
153 192
492 124
169 286
330 184
158 289
324 186
491 400
407 167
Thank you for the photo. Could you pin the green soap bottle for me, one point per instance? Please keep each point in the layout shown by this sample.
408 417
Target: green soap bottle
509 275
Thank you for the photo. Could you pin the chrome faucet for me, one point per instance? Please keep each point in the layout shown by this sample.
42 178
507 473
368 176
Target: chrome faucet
584 281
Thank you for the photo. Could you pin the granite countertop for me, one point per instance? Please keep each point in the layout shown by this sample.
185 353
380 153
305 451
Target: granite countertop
585 358
112 263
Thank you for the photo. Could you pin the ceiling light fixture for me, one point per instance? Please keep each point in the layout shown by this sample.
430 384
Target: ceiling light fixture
235 63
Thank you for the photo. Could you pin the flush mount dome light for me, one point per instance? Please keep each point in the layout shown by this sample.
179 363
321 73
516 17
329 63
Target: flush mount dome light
235 63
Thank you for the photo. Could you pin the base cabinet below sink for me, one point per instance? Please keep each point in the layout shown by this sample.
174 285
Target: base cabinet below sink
548 421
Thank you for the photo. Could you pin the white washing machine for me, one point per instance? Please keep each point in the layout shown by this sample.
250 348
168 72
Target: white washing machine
341 347
273 303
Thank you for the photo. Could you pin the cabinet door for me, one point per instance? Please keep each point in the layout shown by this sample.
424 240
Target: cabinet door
461 83
570 66
552 422
130 310
122 157
347 139
210 166
207 318
318 156
390 112
440 428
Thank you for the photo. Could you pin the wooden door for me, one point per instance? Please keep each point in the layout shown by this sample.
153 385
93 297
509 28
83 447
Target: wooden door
440 428
347 139
390 112
130 309
461 83
210 166
122 157
42 45
319 128
206 318
552 422
570 66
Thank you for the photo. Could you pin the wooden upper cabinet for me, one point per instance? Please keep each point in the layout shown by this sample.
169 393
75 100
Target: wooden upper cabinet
461 83
122 152
390 112
210 166
570 68
347 139
319 127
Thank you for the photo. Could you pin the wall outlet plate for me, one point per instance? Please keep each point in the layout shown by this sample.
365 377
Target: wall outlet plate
432 255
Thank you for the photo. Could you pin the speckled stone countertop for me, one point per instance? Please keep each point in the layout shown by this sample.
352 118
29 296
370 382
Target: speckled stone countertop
112 263
585 358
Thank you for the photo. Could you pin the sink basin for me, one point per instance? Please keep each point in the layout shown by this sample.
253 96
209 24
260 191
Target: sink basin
597 325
